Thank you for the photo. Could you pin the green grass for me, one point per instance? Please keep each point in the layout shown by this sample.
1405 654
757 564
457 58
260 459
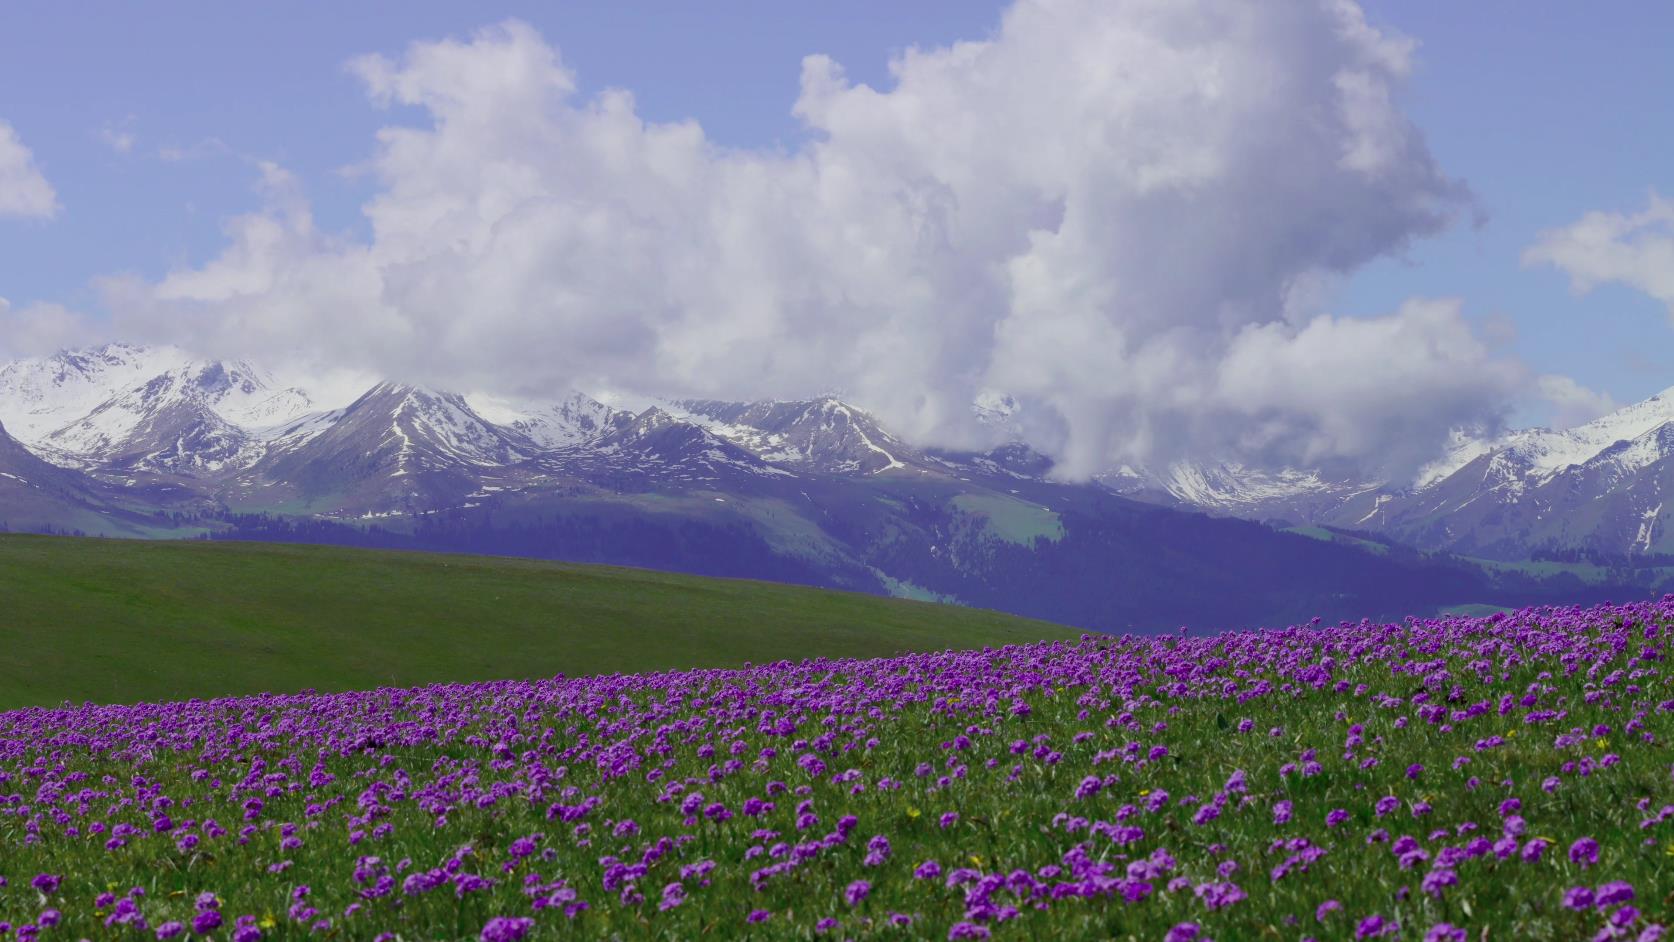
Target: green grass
1330 536
124 621
396 783
1014 521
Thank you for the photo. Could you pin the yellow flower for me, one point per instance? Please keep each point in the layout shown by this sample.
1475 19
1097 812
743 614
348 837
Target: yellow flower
1601 743
1510 734
268 921
976 861
1143 792
913 812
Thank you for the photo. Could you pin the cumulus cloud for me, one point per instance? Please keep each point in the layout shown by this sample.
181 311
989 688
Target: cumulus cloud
23 190
40 329
1117 211
1633 249
1571 403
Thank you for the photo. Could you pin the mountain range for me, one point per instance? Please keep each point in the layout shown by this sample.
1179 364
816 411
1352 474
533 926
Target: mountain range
150 442
1595 491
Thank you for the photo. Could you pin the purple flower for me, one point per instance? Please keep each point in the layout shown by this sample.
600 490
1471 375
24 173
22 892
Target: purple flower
856 892
506 928
1374 926
673 895
928 870
1438 879
1335 817
1578 898
1616 891
46 883
1584 852
169 930
1220 895
206 921
1184 932
758 915
967 930
1445 932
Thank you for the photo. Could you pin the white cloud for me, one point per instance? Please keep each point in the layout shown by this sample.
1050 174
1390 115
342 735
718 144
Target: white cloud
1571 403
1119 212
203 149
119 136
1636 250
1363 386
23 190
39 329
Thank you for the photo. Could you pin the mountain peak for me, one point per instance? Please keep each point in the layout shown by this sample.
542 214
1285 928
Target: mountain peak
824 434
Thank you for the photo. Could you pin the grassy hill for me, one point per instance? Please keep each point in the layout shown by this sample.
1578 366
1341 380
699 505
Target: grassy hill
121 621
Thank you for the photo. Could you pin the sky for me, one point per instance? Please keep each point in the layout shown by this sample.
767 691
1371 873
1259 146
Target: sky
1290 231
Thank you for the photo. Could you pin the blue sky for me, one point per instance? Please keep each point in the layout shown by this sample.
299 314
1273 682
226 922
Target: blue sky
149 122
229 85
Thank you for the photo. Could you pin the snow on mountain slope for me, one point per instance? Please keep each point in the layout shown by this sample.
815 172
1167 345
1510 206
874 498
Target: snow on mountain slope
39 395
141 408
426 428
1626 458
826 434
661 444
1463 447
159 416
1546 452
395 446
1528 456
572 420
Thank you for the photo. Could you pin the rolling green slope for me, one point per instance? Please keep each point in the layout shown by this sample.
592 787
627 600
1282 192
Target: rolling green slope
114 620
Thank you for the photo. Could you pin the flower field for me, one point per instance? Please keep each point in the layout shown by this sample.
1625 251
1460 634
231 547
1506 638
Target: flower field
1498 778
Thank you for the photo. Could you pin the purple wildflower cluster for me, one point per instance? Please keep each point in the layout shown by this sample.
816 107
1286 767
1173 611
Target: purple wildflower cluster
1424 780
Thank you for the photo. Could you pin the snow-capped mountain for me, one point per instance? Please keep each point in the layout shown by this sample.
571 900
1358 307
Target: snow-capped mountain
40 395
225 432
658 445
574 419
37 495
1595 487
138 409
1238 490
136 441
825 435
394 445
